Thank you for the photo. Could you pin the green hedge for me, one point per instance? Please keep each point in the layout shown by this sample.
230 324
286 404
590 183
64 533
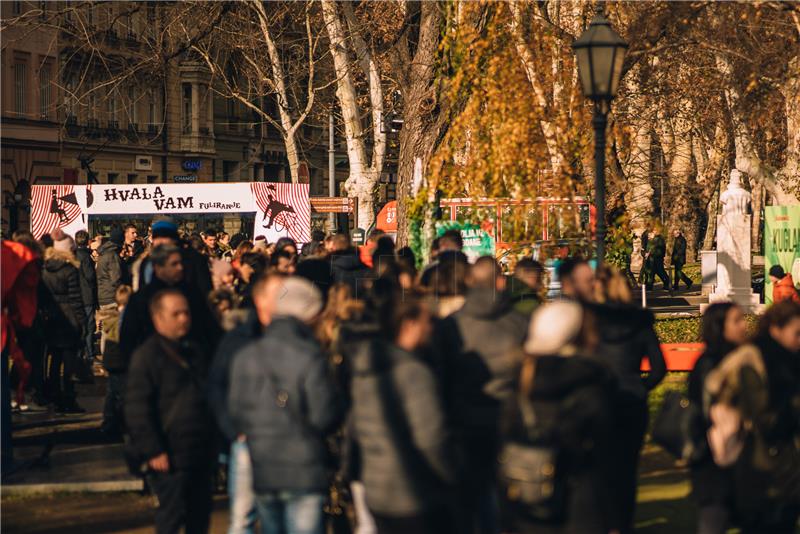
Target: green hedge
687 329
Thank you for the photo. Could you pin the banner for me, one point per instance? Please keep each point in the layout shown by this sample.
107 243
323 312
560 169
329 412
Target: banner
282 210
477 242
781 243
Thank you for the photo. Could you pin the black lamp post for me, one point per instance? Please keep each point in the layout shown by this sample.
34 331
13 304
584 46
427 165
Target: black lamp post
600 52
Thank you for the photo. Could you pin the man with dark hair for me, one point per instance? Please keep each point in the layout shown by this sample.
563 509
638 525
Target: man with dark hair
167 414
656 251
168 272
346 266
478 343
210 239
451 240
110 268
527 285
131 246
577 279
283 261
88 279
679 260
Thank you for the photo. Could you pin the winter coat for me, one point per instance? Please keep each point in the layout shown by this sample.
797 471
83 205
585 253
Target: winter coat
88 277
626 336
711 484
679 251
400 430
347 267
784 289
657 248
110 272
572 399
137 325
219 375
284 402
481 347
165 403
196 271
524 299
61 302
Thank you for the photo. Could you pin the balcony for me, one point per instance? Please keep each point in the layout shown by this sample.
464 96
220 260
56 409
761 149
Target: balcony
112 131
93 129
132 132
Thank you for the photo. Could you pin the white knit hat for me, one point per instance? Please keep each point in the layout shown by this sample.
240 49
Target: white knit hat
298 298
553 326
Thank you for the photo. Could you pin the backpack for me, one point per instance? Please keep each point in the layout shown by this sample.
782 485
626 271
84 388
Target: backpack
532 472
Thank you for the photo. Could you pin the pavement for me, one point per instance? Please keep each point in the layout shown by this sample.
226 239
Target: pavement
682 303
62 453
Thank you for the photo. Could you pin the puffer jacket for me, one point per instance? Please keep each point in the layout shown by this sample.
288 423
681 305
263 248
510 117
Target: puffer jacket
481 344
110 272
784 290
627 336
347 267
61 302
165 403
399 428
285 403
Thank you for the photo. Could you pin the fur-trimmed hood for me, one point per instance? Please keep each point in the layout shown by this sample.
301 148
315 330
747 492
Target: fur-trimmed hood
54 259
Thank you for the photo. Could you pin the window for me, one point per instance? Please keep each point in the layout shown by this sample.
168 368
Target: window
113 178
151 179
16 7
151 108
187 108
132 178
93 106
20 87
45 92
112 105
133 114
69 97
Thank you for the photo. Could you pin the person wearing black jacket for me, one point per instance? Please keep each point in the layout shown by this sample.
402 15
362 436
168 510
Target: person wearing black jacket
626 336
167 415
110 269
724 328
346 265
679 260
656 250
62 306
168 272
571 397
88 279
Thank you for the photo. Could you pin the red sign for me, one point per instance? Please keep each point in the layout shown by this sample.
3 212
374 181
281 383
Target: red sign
387 218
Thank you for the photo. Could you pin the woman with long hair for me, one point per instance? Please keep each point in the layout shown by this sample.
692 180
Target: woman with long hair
627 336
723 330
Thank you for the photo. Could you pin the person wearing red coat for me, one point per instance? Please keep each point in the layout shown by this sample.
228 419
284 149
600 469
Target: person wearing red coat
782 285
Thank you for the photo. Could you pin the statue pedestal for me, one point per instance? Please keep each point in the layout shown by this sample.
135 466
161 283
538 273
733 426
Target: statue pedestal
734 282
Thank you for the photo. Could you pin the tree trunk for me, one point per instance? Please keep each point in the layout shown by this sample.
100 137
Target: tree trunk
755 220
711 216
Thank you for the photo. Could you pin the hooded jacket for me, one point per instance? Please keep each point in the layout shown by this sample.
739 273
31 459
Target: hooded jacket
784 289
284 402
61 302
110 272
481 346
626 336
347 267
400 429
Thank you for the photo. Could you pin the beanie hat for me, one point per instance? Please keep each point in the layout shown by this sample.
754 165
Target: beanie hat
164 228
298 298
61 241
553 326
117 236
777 271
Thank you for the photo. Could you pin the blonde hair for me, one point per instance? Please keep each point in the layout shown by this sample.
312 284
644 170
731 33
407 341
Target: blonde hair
612 286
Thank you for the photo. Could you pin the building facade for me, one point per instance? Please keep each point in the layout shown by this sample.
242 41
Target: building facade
75 112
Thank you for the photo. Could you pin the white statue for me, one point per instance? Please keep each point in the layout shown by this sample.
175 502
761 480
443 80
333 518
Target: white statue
735 199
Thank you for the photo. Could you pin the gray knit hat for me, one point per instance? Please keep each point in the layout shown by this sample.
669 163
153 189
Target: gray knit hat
298 298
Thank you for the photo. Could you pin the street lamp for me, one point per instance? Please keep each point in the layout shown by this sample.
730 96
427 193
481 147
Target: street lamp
600 53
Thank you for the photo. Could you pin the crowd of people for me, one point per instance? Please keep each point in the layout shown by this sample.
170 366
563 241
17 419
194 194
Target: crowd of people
342 388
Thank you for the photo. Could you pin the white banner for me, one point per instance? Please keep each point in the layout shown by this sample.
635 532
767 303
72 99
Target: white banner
281 210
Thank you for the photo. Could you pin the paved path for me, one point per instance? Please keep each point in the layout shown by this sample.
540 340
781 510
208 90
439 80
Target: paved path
66 452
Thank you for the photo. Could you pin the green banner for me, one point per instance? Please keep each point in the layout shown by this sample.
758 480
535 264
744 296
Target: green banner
781 243
477 242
